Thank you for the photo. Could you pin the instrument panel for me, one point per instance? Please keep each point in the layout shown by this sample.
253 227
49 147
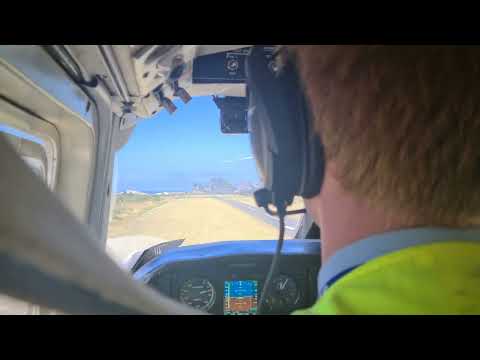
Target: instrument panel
241 297
232 284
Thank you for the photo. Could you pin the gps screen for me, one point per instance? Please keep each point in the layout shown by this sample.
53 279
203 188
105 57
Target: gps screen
240 297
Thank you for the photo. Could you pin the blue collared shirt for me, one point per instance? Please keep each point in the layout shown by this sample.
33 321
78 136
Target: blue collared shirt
358 253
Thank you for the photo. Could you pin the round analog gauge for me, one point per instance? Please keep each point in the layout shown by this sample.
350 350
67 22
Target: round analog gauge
284 293
198 293
232 64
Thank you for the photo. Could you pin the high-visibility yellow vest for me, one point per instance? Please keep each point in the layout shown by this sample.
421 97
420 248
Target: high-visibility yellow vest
438 278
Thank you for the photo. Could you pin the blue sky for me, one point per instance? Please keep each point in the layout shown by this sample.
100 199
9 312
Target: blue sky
172 152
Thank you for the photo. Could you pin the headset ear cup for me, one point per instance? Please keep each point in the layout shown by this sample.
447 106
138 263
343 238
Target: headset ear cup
313 152
315 167
280 124
258 143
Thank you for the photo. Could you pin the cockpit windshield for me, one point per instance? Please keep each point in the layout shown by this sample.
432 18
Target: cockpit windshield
180 177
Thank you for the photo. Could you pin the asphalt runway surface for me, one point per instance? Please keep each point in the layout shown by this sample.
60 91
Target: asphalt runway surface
259 213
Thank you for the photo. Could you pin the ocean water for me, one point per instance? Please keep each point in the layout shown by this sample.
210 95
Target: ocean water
153 192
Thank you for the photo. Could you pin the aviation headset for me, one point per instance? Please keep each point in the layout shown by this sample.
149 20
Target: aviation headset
290 156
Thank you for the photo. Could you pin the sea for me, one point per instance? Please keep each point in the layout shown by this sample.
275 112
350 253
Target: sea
153 192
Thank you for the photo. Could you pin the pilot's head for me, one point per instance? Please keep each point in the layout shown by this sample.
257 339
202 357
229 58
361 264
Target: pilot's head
401 130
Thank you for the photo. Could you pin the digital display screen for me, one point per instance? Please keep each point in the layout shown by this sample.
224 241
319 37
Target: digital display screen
240 297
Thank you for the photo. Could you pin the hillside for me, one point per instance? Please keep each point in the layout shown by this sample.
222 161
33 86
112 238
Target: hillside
222 186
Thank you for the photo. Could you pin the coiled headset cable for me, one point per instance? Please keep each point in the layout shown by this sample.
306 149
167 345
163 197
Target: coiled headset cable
262 198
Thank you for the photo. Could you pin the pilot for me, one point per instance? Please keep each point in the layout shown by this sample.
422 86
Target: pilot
399 208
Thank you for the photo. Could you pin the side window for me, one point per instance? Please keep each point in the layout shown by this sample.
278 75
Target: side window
31 149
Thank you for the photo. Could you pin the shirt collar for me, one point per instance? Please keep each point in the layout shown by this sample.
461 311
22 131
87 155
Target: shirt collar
375 246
